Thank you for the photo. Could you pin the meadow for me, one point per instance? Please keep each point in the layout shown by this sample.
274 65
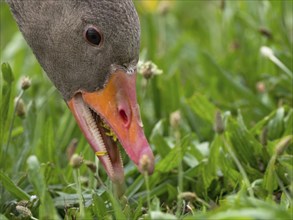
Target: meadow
215 88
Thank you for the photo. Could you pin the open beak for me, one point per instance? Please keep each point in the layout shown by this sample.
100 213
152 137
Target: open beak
110 114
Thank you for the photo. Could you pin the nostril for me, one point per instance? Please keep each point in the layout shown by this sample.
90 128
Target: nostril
123 116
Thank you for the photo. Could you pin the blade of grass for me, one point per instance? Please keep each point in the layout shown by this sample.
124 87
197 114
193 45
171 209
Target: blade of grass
11 187
47 209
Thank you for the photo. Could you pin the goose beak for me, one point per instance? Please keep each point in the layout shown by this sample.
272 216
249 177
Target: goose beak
112 114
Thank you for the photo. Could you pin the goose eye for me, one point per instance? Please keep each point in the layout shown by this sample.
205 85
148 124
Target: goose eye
93 36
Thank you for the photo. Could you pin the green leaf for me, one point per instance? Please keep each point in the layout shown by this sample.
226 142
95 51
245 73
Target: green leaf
248 214
174 156
10 186
245 146
288 123
7 73
5 106
135 186
276 125
244 207
172 191
65 199
48 150
118 212
202 107
3 217
285 168
47 209
99 207
155 191
138 210
155 204
257 128
270 180
214 156
158 140
233 177
225 80
158 215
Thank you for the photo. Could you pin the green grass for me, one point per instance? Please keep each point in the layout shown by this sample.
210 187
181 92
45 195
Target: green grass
227 155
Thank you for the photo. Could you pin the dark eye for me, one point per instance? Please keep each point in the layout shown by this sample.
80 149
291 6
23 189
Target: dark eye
93 36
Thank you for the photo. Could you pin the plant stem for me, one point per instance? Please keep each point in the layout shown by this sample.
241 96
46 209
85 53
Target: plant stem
278 62
11 128
180 187
9 134
146 179
180 174
76 174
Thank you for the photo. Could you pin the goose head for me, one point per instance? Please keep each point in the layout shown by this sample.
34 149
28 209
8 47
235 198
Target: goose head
89 50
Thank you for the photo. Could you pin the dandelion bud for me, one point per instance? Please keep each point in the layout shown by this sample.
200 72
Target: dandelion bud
24 203
148 69
265 32
71 148
267 52
145 163
219 124
189 196
23 211
222 5
25 83
261 87
234 46
175 119
92 166
76 161
283 144
164 7
19 107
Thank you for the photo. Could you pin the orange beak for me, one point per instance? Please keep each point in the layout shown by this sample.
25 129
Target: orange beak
114 109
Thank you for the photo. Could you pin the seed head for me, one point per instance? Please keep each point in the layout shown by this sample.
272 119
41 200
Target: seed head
189 196
33 198
261 87
19 107
175 119
24 203
145 163
267 52
76 161
92 166
148 69
265 32
23 211
283 144
219 124
25 83
164 7
71 148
